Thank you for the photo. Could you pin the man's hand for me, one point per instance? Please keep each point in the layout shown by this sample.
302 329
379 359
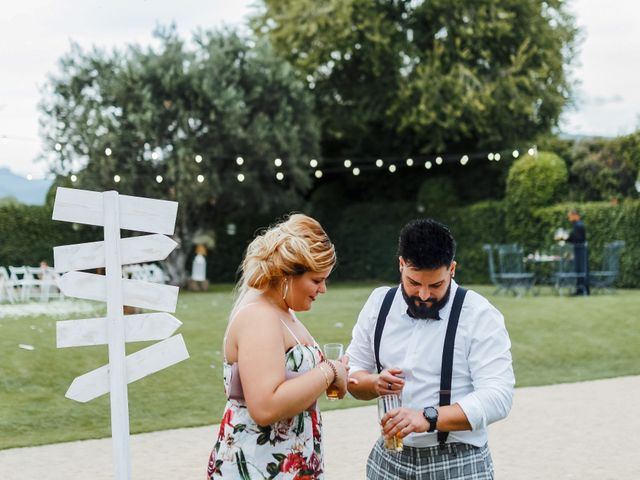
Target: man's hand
403 421
389 382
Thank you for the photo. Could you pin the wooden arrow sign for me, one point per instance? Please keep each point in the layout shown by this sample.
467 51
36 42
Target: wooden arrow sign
83 256
136 213
138 365
135 293
137 328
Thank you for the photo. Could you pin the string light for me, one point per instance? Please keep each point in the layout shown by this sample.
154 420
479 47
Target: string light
313 163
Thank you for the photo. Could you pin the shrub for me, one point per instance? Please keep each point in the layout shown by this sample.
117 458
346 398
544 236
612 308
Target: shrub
533 182
28 235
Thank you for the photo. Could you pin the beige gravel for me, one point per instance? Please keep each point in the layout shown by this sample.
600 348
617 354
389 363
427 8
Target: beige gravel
588 430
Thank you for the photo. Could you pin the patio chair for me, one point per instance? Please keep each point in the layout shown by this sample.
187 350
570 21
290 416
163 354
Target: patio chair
512 273
605 279
565 277
493 275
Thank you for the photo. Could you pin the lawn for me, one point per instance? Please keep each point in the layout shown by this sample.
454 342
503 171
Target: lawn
555 339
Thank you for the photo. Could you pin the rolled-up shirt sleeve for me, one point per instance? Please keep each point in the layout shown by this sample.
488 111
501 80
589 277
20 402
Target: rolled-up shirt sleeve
490 366
360 350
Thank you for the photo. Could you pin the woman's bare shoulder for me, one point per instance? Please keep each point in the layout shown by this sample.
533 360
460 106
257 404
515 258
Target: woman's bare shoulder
256 317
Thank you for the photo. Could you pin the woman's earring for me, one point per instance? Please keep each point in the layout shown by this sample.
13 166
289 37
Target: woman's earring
286 290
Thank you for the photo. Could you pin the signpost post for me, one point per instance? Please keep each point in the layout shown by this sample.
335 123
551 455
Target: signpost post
115 212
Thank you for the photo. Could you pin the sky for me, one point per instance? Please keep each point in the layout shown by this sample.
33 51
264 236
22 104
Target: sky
34 34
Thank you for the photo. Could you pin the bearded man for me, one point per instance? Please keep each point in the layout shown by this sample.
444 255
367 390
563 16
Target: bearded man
445 350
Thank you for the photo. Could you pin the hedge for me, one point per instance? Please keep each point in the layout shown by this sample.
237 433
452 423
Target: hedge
366 236
604 223
28 235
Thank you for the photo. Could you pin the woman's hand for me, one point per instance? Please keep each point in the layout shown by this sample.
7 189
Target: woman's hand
389 382
342 377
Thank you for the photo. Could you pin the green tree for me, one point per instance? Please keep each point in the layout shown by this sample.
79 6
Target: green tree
185 114
400 77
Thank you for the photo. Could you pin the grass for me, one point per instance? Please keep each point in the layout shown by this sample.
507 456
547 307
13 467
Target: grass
555 340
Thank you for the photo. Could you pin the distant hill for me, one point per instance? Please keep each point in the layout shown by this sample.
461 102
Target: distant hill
32 192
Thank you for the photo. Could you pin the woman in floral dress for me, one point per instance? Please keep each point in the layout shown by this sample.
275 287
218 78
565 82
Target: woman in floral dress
274 370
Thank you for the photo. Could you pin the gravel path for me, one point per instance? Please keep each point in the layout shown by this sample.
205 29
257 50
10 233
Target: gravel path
587 430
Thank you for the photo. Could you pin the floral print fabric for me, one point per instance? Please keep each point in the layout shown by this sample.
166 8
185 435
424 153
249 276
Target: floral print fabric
290 449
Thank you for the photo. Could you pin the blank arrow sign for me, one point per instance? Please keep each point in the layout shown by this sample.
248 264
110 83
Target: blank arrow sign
136 213
138 365
83 256
137 328
135 293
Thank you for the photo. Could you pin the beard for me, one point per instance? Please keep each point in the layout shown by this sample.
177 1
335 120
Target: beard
416 308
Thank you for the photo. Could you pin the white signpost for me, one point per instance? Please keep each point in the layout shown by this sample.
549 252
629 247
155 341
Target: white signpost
115 212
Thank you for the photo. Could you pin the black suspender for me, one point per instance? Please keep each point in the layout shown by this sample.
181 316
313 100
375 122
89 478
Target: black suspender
447 355
382 318
446 371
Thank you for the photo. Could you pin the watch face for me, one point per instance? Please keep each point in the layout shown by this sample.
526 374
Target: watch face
430 412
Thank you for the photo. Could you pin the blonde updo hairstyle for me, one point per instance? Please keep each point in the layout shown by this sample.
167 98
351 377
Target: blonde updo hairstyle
294 246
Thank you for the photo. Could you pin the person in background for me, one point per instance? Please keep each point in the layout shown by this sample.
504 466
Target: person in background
274 370
399 346
578 237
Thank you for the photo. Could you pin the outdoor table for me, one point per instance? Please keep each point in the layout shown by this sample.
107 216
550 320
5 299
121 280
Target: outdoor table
543 265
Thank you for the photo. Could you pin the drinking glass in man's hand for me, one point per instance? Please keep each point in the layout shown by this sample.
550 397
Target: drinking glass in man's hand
386 403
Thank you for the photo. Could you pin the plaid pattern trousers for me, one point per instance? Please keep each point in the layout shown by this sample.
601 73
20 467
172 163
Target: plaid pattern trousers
457 461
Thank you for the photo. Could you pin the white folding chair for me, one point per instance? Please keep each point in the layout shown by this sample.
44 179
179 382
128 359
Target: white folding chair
46 279
155 273
7 287
35 277
21 278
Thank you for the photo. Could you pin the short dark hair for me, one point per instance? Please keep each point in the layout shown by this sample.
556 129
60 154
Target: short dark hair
426 244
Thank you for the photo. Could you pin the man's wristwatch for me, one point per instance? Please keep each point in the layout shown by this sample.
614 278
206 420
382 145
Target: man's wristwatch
431 415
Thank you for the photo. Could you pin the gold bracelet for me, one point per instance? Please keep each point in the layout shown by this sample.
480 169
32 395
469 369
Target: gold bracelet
333 369
324 372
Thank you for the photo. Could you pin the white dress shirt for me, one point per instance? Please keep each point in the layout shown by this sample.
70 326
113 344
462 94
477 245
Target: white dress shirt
482 382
